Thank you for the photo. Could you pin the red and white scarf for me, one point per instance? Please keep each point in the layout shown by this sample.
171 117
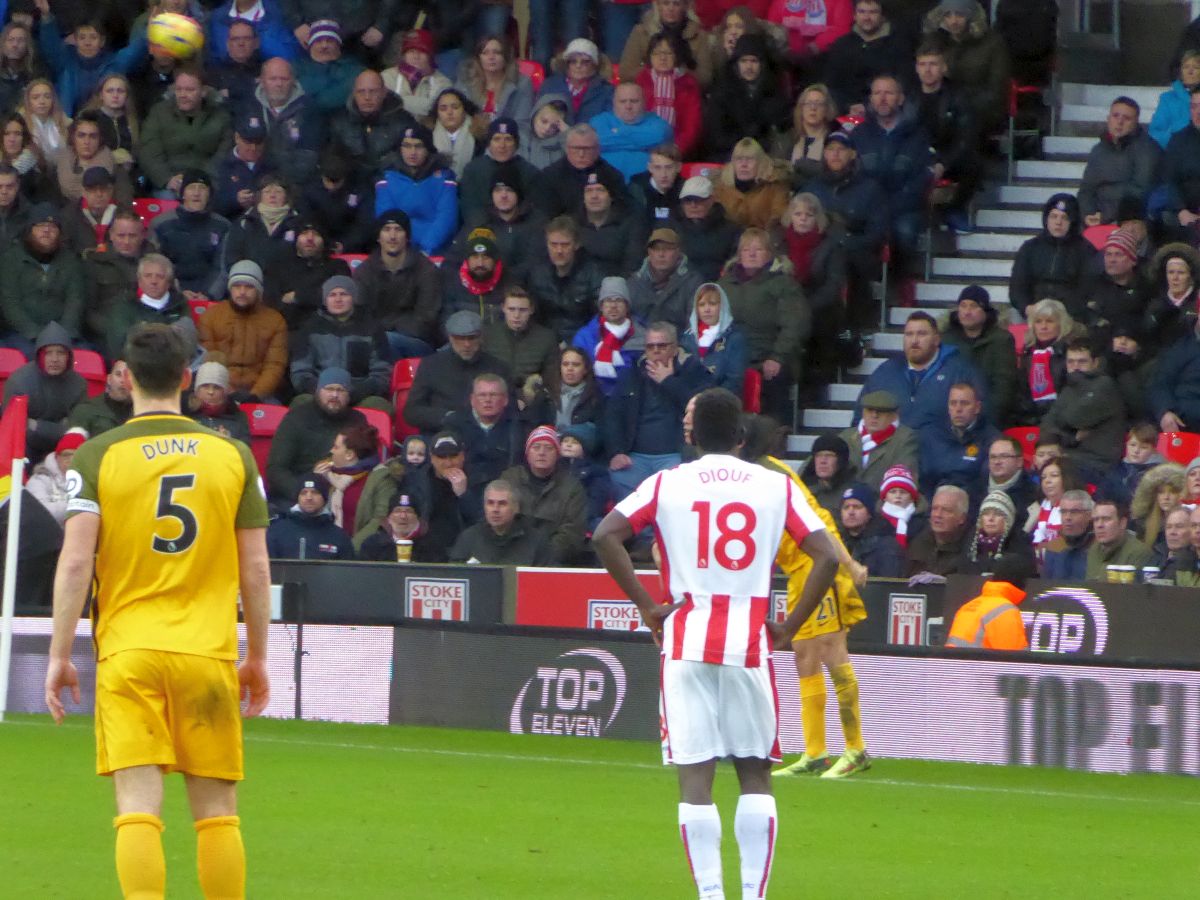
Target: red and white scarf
871 440
608 356
899 516
663 101
1049 523
706 336
99 226
1041 379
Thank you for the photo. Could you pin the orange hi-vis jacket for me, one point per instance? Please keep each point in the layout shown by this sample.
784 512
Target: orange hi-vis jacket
991 621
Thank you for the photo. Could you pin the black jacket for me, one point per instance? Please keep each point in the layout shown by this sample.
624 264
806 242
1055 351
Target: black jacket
408 300
851 63
303 277
877 549
368 142
562 184
708 242
442 386
321 538
566 304
1053 268
951 127
355 344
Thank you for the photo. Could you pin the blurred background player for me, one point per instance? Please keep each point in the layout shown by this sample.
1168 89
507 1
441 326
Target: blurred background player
717 522
821 640
173 517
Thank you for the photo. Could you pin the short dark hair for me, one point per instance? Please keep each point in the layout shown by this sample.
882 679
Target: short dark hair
760 434
930 48
1011 441
1127 101
1080 344
716 420
156 356
6 169
922 316
1121 507
1145 432
563 225
964 386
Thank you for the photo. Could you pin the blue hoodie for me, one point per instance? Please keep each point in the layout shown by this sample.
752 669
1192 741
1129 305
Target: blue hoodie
923 395
275 38
1172 114
77 77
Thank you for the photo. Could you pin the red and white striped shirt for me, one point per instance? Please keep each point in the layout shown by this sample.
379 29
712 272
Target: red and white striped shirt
718 522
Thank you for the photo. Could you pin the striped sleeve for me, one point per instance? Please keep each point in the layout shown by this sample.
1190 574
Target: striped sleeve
641 506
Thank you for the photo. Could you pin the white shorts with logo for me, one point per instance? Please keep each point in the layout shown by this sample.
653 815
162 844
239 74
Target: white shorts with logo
709 711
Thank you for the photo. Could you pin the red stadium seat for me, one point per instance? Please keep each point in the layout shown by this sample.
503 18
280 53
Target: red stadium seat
198 308
90 365
1028 436
379 419
403 373
752 391
437 260
1019 332
535 71
150 209
264 421
10 361
1179 446
1096 235
709 170
353 260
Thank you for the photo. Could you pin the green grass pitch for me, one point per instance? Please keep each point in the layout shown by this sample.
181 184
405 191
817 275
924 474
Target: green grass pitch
337 811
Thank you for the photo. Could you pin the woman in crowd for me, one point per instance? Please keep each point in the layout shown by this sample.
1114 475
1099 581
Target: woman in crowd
491 80
997 533
576 399
715 338
412 73
768 303
211 405
748 101
580 81
734 23
1045 521
119 122
1173 112
452 135
1172 313
267 231
754 188
672 91
1160 491
355 452
613 340
1044 362
48 483
85 150
827 474
813 119
674 17
819 267
45 117
1191 484
18 150
18 63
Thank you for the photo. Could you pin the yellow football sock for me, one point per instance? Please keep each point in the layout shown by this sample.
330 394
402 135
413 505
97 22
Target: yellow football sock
221 858
812 714
141 868
845 682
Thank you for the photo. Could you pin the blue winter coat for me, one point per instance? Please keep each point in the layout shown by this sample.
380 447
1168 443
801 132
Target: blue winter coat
898 159
77 77
431 201
922 395
596 99
1068 564
275 38
1173 113
1176 384
948 458
859 204
627 147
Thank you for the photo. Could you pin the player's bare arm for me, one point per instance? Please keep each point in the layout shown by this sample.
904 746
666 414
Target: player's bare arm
820 546
609 543
72 581
254 574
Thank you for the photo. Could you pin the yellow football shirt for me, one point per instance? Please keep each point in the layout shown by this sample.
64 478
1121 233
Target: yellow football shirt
170 494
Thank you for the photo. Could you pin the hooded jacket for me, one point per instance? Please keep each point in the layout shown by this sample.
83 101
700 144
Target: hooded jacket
1145 506
762 205
51 397
542 152
728 356
991 621
430 197
1165 322
993 354
923 395
596 97
1053 268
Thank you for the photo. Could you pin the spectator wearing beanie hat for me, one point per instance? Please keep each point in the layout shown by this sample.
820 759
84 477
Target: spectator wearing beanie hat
612 340
342 335
340 198
579 82
503 149
867 535
420 183
517 224
479 282
413 75
1117 292
252 337
403 521
974 328
292 283
307 530
610 231
400 287
997 534
827 472
551 495
211 405
48 483
193 237
326 73
898 497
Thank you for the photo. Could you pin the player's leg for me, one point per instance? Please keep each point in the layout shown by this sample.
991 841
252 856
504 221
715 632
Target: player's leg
700 828
750 720
220 856
812 710
835 656
141 867
756 825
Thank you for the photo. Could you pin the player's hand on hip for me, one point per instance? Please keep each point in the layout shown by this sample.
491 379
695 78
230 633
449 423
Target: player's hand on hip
655 618
61 674
255 686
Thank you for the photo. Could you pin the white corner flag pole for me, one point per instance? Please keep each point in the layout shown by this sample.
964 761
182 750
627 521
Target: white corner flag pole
10 578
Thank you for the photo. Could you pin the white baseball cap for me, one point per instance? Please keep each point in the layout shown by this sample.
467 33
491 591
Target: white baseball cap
696 186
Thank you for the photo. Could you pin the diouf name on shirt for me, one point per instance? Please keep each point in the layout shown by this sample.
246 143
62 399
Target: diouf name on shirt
709 476
169 446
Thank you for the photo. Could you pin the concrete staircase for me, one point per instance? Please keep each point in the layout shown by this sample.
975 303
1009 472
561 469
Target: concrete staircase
1006 215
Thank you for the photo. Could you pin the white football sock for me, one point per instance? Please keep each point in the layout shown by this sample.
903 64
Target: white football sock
700 829
756 825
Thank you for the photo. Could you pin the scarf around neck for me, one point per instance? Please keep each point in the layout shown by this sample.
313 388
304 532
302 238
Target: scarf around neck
1041 379
899 517
608 357
272 216
663 101
871 440
800 251
1049 523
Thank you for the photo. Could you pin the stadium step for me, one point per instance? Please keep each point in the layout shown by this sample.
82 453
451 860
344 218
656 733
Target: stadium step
843 393
1102 95
993 242
828 418
972 267
1063 145
947 291
1032 194
868 365
887 342
1024 219
1050 170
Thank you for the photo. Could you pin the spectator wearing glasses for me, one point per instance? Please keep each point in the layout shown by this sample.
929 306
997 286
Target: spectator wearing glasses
563 182
579 80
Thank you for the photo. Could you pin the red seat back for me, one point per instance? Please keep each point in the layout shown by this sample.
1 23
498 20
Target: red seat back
380 420
149 208
709 170
90 365
264 421
534 71
1028 436
1179 446
353 260
752 391
404 371
1096 235
10 361
198 308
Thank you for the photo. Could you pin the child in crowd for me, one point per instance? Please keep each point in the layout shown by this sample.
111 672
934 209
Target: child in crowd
1141 455
899 496
416 454
578 448
549 130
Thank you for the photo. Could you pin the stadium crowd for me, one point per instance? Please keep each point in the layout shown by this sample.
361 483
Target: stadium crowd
348 190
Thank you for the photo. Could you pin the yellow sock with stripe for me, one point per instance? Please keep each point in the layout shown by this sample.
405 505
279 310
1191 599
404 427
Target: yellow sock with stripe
845 682
221 858
141 868
812 714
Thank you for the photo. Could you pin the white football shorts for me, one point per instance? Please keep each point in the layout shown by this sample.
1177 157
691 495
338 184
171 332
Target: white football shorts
709 711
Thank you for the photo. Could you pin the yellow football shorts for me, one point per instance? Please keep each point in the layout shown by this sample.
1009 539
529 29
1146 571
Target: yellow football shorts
174 710
834 613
